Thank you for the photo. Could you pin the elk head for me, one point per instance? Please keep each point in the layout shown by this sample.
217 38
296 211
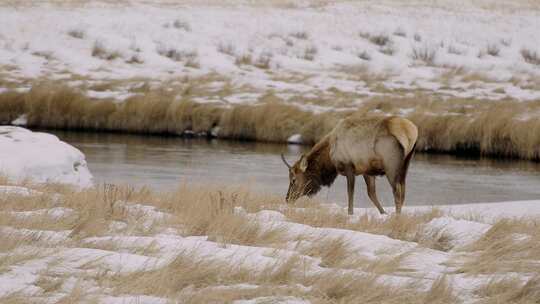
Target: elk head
299 181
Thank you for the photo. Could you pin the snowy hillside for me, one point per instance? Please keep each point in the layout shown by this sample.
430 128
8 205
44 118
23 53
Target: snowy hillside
364 48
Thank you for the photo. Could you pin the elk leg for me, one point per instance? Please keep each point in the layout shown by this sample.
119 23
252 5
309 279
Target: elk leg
399 195
349 173
398 189
372 193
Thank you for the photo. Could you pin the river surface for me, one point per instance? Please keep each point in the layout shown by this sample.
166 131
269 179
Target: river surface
163 163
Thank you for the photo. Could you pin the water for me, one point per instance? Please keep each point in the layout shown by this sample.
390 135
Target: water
165 162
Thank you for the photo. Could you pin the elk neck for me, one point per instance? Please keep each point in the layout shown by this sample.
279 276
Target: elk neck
321 171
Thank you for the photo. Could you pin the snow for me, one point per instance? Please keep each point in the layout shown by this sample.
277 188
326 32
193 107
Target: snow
121 252
460 232
489 212
215 36
312 51
284 300
6 190
41 157
295 139
20 121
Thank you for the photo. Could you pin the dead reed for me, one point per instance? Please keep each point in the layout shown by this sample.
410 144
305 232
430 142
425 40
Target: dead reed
496 128
509 246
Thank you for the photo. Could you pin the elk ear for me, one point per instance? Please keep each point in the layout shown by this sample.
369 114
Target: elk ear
303 163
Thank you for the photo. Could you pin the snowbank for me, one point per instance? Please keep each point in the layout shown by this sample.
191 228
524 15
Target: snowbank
414 47
399 263
41 157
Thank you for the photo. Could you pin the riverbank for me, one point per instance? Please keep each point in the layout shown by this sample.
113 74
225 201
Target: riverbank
227 69
503 128
119 244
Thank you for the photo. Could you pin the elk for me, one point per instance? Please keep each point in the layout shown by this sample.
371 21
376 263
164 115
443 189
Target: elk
367 146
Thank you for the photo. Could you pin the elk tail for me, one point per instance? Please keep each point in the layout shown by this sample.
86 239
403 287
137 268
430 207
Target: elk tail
405 132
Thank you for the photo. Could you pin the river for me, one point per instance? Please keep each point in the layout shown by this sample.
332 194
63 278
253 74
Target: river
163 163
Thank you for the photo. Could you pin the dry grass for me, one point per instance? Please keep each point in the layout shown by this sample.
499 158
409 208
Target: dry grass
424 54
262 61
493 50
188 57
405 227
192 280
509 246
211 211
380 40
16 298
302 35
530 56
100 51
227 48
310 53
47 55
450 125
77 33
509 290
388 49
333 253
364 55
454 50
400 32
181 25
135 59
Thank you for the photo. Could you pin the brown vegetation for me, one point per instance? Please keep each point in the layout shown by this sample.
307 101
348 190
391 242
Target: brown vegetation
424 54
510 290
452 125
509 246
346 275
530 56
403 227
100 51
188 276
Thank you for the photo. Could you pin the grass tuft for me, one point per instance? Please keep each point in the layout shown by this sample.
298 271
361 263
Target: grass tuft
493 50
380 40
77 33
181 25
530 56
100 51
424 54
301 35
364 55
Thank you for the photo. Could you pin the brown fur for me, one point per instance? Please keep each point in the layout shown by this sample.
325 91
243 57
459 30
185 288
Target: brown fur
320 171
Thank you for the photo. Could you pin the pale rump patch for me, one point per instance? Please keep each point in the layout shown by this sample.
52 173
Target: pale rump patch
404 131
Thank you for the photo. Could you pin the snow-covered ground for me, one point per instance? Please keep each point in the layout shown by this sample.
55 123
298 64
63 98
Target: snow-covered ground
41 157
296 49
138 252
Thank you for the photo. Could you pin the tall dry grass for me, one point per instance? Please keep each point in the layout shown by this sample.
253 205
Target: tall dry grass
213 211
509 290
199 210
405 227
503 128
508 246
